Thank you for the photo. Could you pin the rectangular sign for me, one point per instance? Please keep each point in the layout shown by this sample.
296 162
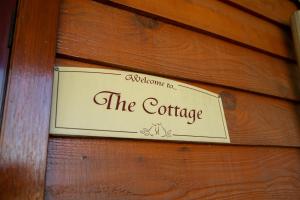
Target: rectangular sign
110 103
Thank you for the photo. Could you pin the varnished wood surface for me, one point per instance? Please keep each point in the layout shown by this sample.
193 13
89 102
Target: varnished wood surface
142 170
221 19
102 33
277 10
99 168
24 134
251 119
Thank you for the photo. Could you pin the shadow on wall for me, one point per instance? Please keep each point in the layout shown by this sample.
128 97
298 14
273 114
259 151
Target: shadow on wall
295 78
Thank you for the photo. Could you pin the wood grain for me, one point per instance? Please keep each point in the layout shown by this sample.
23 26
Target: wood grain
24 133
221 19
142 170
94 31
277 10
251 119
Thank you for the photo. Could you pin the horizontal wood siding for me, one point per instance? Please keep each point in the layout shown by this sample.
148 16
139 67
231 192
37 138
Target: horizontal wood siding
221 19
251 119
105 34
125 169
240 50
277 10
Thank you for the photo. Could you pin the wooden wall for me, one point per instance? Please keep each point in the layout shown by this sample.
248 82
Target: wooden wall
241 49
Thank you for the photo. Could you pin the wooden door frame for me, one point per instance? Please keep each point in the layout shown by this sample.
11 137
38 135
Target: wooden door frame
7 18
25 126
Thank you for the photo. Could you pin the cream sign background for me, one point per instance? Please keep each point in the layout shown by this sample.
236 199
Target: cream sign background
110 103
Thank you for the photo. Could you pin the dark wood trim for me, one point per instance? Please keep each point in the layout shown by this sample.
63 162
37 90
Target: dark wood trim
7 17
25 126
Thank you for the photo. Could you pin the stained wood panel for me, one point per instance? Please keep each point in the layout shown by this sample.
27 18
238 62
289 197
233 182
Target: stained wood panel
125 169
24 133
94 168
94 31
251 119
277 10
221 19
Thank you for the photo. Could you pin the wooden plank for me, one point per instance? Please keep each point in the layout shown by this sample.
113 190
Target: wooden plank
142 170
277 10
24 133
251 119
221 19
94 31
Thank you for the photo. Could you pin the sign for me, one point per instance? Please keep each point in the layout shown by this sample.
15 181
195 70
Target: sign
110 103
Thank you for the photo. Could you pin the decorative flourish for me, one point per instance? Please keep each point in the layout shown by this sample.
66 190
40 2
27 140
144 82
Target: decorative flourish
156 129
